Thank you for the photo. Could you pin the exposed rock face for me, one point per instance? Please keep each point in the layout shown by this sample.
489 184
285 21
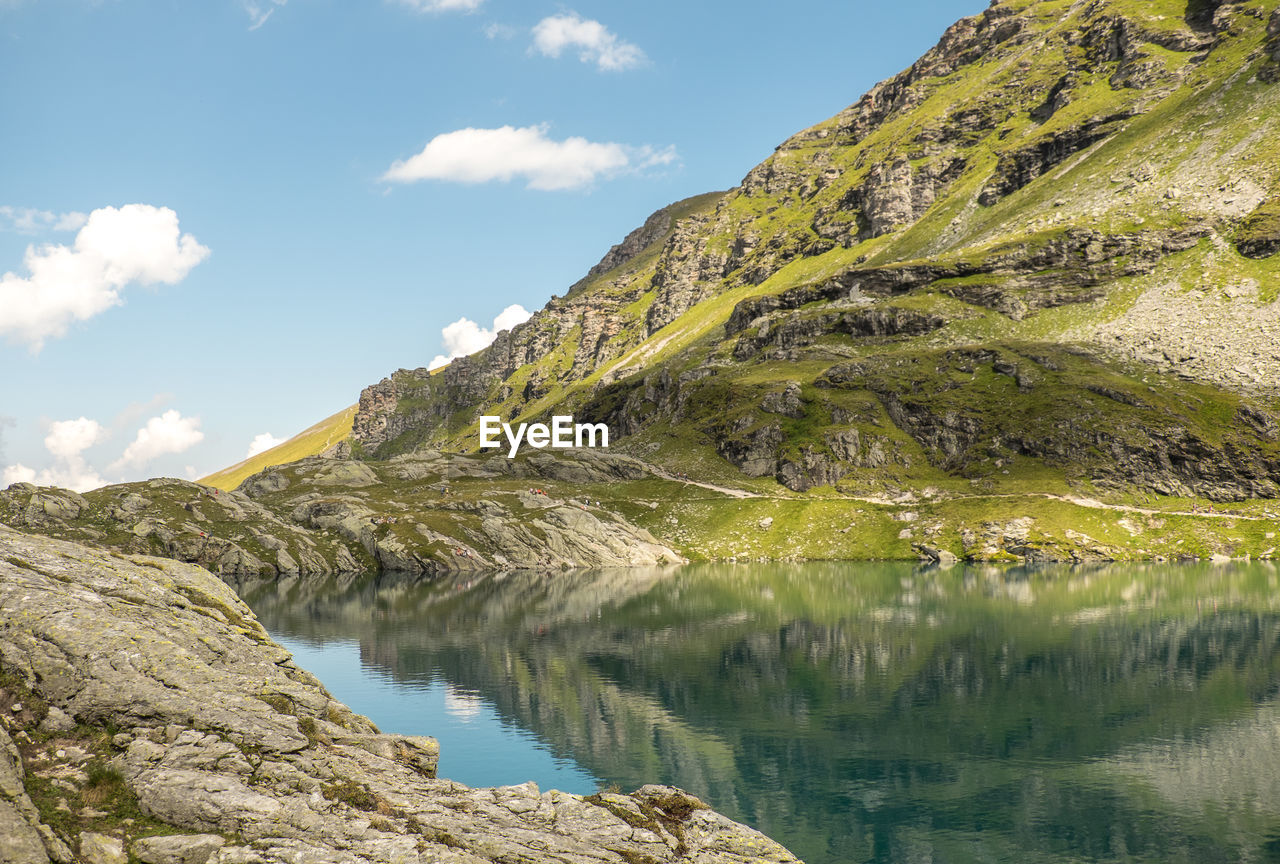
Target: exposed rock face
223 531
778 333
1259 234
653 230
895 195
415 517
1122 437
215 732
1019 167
594 321
685 270
1017 280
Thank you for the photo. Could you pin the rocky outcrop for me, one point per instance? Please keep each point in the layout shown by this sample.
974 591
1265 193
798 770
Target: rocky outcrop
412 407
226 532
778 334
1121 436
141 697
423 513
1017 279
1259 234
654 230
895 195
1017 168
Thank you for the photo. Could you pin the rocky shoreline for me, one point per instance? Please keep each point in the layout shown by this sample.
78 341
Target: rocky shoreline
146 715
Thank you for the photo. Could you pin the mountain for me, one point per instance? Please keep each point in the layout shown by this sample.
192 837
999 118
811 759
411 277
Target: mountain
1043 258
1017 302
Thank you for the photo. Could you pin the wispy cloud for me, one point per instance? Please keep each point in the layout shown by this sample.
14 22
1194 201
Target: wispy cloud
594 42
116 247
259 12
465 336
442 5
484 155
27 220
494 30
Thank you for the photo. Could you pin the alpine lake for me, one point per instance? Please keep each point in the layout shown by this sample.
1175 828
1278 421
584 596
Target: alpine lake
854 712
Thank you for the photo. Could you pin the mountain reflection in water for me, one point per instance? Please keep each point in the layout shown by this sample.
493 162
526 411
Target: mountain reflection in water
861 712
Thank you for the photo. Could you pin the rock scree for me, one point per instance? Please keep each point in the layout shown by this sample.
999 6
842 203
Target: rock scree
146 715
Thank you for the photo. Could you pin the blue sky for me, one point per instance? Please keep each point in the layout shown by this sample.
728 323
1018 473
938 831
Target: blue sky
222 219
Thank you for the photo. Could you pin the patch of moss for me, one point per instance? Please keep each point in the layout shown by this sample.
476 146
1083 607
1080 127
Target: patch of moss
351 793
440 837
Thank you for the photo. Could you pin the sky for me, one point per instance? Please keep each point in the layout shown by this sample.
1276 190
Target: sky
219 221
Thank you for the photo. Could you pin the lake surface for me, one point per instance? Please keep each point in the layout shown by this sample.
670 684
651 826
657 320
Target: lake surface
854 712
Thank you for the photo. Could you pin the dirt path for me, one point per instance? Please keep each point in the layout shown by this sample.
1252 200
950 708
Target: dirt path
1090 503
724 490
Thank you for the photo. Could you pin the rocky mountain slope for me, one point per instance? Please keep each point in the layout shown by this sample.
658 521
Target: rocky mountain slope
1042 259
145 715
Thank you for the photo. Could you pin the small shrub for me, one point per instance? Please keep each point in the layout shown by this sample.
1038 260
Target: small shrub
307 726
282 704
677 806
105 785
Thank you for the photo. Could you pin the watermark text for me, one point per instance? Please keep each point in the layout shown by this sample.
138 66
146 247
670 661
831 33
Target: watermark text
561 434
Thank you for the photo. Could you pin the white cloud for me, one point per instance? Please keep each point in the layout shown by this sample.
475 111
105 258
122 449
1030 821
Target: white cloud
481 155
26 220
510 317
168 433
135 243
263 442
18 474
67 440
442 5
465 336
494 30
591 39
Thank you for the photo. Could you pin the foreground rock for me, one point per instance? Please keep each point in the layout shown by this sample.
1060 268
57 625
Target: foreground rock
146 712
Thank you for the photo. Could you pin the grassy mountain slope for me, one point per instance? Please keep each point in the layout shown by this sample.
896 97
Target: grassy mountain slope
312 441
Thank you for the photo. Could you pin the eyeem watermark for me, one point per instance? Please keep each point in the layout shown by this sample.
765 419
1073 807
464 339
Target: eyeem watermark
561 434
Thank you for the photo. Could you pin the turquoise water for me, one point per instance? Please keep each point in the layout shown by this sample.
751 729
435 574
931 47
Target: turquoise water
856 713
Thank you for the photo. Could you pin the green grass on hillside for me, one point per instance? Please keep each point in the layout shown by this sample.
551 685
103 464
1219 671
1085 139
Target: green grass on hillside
309 442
